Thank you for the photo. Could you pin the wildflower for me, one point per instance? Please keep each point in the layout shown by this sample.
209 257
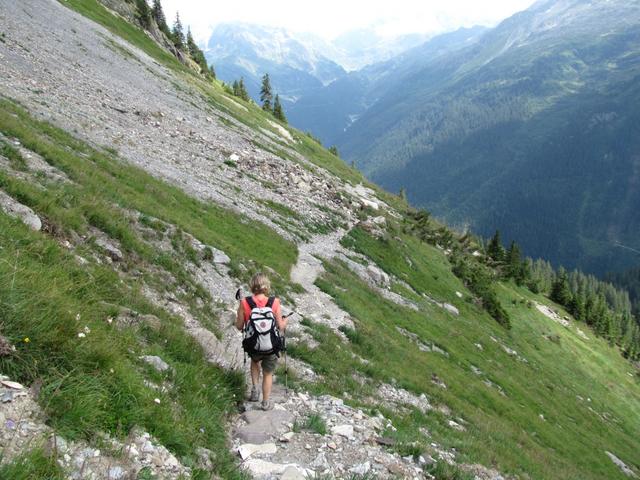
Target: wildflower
87 329
109 320
81 335
157 400
77 317
111 370
26 340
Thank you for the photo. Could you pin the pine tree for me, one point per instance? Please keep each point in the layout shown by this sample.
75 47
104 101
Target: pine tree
177 33
192 48
143 14
158 15
212 72
277 110
495 250
266 96
236 88
514 263
244 95
560 292
334 151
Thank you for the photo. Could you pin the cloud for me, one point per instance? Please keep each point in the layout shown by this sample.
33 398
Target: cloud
330 18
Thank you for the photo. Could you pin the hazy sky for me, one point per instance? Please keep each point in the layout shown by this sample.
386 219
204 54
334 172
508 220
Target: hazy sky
329 18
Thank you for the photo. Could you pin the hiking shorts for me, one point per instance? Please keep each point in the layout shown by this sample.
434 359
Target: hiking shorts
269 361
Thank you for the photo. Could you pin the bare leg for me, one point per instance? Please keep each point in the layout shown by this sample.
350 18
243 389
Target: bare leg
267 381
255 373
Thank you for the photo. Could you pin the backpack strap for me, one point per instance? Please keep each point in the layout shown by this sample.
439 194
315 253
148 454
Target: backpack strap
251 303
270 302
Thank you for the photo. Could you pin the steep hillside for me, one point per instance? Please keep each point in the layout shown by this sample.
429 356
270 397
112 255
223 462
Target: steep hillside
135 197
536 114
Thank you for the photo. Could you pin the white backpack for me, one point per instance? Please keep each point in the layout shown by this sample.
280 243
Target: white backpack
261 334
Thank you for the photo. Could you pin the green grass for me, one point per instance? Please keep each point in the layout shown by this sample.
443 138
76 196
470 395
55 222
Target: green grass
97 383
316 424
505 432
31 465
93 10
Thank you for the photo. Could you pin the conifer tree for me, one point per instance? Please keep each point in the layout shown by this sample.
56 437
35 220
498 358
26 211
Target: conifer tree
143 14
495 250
192 48
277 110
334 150
177 33
560 292
266 96
514 263
158 15
244 95
236 88
212 72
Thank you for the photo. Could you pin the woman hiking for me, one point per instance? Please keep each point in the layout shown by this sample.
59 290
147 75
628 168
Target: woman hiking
261 305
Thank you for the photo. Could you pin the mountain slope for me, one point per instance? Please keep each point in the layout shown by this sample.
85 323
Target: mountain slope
156 195
536 114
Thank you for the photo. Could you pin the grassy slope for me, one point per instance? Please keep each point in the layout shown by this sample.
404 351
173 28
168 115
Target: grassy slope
96 383
507 432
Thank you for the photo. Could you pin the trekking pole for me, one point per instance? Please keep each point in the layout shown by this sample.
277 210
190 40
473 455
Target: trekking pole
284 349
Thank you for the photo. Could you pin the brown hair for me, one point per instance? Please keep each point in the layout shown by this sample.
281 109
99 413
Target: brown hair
260 284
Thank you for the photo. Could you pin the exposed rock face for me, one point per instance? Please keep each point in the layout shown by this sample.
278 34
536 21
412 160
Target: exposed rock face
15 209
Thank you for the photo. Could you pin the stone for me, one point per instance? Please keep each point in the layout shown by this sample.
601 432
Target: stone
261 426
459 295
361 468
451 309
370 204
111 250
116 473
249 449
621 465
377 275
379 220
320 462
13 385
220 257
343 430
287 437
204 458
234 157
261 468
17 210
156 362
293 473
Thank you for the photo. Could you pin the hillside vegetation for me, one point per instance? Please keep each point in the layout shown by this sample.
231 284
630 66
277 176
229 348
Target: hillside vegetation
135 264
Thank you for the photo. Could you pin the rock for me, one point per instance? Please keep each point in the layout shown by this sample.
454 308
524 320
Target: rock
361 469
378 276
234 157
261 468
249 449
451 309
343 430
621 465
114 252
221 258
6 348
286 437
379 220
320 462
17 210
332 446
156 362
13 385
456 426
293 473
204 458
370 204
459 295
261 426
116 473
386 441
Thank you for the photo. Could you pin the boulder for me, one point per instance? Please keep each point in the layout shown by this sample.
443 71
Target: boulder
451 309
15 209
156 362
378 276
261 426
248 449
343 430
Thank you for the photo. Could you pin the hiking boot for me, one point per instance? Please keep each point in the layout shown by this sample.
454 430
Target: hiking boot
255 395
266 405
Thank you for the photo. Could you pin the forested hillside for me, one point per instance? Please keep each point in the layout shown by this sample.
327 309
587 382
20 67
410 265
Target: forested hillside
538 113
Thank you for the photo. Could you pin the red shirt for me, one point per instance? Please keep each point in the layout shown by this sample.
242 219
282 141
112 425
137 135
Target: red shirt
261 301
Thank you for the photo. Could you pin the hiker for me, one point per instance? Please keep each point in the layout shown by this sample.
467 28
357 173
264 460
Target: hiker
256 311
